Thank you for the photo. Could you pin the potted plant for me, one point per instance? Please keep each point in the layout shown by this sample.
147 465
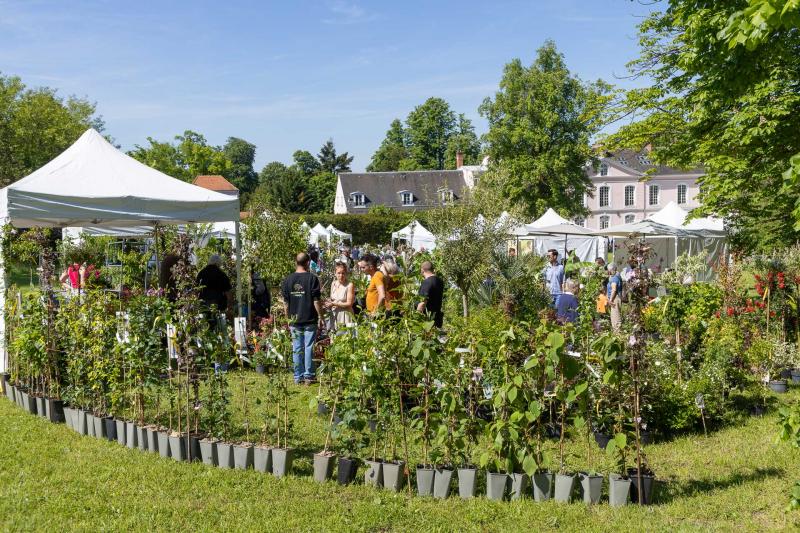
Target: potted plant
243 452
217 422
282 454
619 485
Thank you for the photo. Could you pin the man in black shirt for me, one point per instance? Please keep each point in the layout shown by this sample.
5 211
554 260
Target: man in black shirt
214 284
432 290
301 300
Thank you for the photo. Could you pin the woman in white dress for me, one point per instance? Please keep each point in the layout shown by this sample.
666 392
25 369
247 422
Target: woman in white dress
343 294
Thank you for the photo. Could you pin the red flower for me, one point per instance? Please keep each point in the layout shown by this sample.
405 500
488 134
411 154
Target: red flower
716 314
730 311
772 314
758 278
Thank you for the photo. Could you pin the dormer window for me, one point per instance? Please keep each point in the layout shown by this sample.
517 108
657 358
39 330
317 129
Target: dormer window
357 199
623 161
445 196
643 160
406 197
603 169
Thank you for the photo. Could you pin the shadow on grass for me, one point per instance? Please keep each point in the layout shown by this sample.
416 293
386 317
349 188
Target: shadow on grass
670 490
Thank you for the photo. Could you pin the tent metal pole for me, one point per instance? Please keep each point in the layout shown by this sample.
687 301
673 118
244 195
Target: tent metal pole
3 351
158 259
240 310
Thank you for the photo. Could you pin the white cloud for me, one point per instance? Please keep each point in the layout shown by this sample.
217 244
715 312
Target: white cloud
343 12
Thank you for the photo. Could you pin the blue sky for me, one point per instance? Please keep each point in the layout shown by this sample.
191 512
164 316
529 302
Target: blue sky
288 75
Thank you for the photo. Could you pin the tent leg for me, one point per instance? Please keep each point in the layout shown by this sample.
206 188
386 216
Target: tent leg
3 351
238 270
158 260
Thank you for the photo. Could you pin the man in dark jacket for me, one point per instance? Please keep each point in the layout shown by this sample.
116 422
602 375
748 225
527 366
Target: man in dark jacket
214 285
301 299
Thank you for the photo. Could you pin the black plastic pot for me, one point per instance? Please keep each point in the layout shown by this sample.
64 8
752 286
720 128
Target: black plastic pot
496 485
373 475
394 475
619 489
322 408
261 369
163 444
323 466
565 485
282 459
780 386
601 439
786 373
592 487
519 484
110 427
193 453
243 456
645 492
442 479
224 455
467 482
425 477
543 483
346 472
262 459
645 436
55 411
30 405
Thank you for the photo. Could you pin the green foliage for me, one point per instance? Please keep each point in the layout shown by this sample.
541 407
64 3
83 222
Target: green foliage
540 123
273 240
240 173
190 156
36 125
332 163
392 151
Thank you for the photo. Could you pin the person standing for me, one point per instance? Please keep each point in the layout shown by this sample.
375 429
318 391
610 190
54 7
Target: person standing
615 297
554 276
301 299
214 284
567 308
432 292
376 290
343 294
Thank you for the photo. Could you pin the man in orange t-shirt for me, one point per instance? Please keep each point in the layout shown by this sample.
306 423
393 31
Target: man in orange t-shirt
378 296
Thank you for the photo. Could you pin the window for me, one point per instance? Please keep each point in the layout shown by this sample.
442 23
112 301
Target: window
445 195
681 193
623 161
653 194
357 199
406 198
643 160
630 198
630 219
604 221
580 222
605 193
585 200
603 169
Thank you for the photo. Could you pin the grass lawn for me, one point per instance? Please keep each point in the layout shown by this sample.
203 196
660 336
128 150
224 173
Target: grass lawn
52 478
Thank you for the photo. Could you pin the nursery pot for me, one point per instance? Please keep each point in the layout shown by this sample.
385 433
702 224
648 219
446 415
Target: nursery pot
40 406
467 481
262 459
5 377
618 490
323 466
795 375
543 486
243 456
645 492
224 455
120 431
30 404
374 474
322 408
55 411
75 419
346 473
82 422
152 439
177 447
394 474
496 484
441 482
163 444
99 427
601 439
110 428
194 448
90 424
130 434
141 437
425 477
778 386
47 408
565 484
208 452
282 461
786 373
519 483
68 417
592 486
261 369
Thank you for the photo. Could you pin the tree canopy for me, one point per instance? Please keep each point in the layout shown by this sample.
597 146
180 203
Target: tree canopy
242 156
541 121
36 125
725 95
190 156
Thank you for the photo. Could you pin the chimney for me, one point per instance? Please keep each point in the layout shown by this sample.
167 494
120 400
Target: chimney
648 148
459 159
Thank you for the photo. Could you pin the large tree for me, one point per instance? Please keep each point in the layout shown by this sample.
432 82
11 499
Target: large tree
464 140
330 161
36 125
428 130
392 150
190 156
306 163
540 124
725 94
242 156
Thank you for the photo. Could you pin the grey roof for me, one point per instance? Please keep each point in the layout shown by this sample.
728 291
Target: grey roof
637 163
383 188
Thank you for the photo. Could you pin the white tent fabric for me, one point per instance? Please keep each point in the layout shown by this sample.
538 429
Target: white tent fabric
338 234
416 235
550 218
93 184
674 215
552 231
315 234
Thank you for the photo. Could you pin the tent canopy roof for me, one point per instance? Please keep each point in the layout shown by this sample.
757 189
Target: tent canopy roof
92 183
550 218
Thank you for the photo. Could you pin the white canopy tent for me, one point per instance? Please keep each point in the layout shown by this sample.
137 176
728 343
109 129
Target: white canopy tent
336 234
315 234
92 184
552 231
416 235
672 236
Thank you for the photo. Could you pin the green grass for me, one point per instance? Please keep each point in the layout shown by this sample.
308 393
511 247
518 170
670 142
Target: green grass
52 478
